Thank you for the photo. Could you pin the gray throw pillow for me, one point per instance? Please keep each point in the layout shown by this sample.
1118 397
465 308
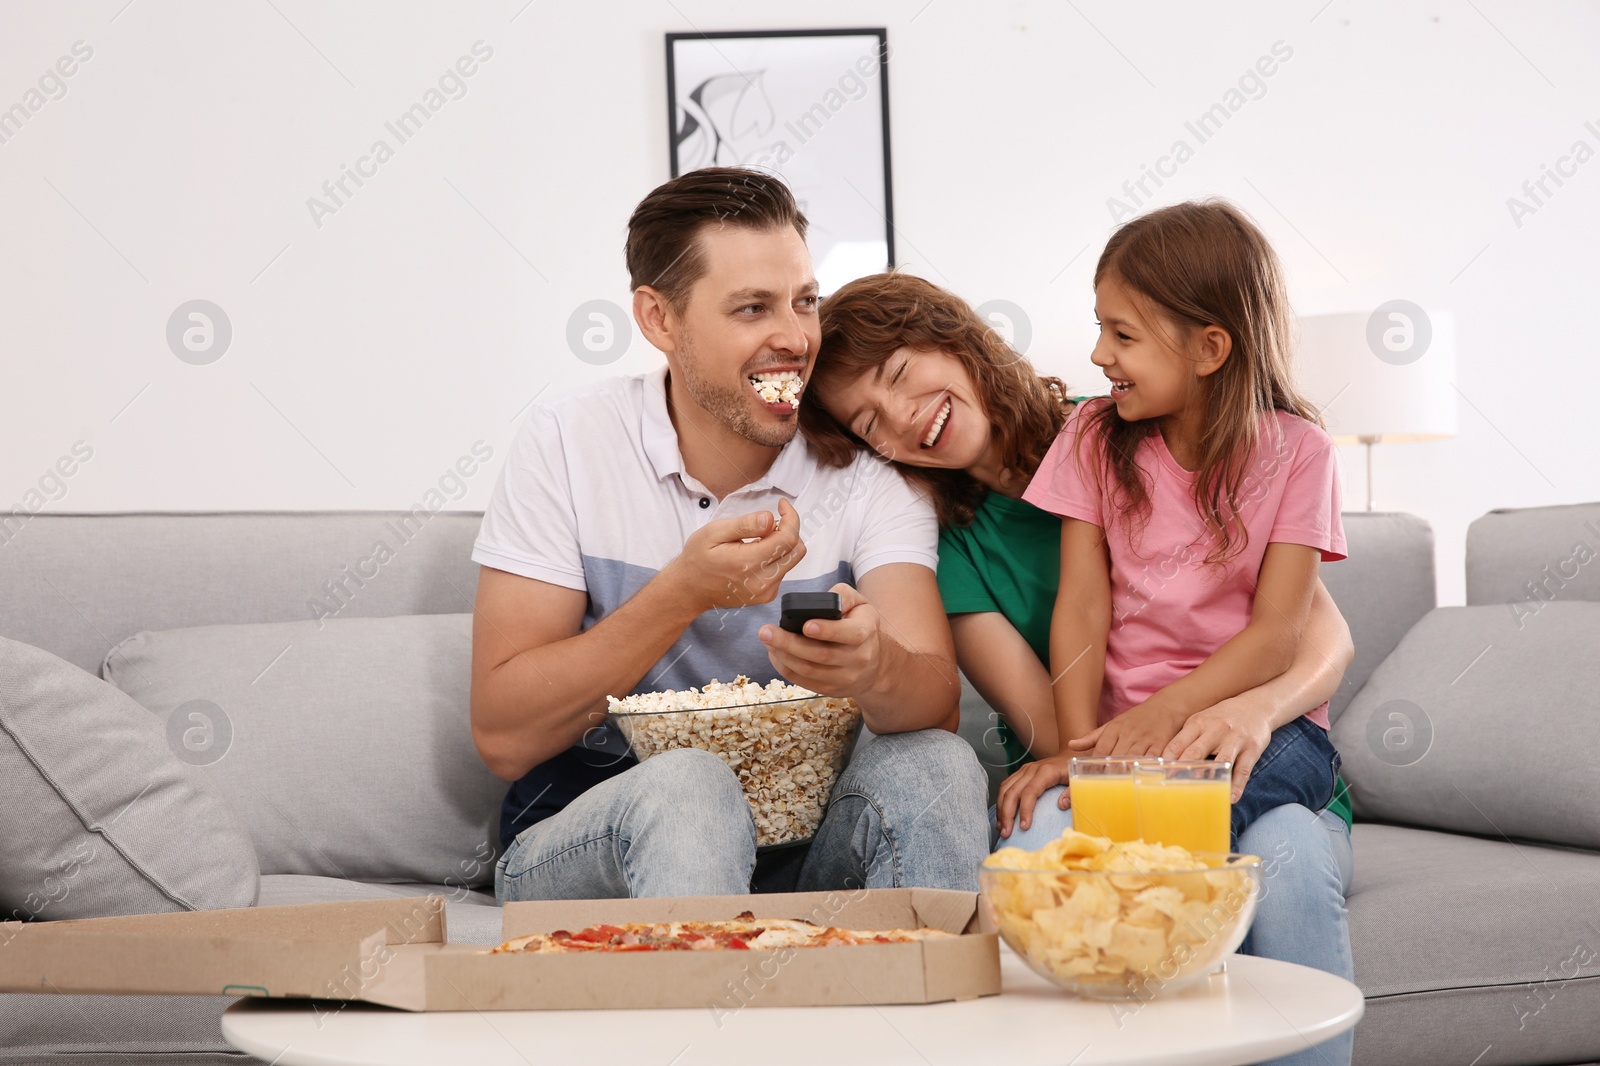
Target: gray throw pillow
1483 721
98 817
345 746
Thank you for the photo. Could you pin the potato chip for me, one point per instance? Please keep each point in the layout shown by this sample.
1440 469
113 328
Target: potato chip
1096 898
1060 925
1163 898
1016 859
1139 947
1148 917
1119 917
1073 845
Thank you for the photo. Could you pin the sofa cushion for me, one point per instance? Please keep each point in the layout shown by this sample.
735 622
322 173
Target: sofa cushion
1527 556
1381 589
345 747
172 571
1483 722
1462 943
97 815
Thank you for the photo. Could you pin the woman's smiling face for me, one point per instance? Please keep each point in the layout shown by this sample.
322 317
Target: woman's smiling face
917 407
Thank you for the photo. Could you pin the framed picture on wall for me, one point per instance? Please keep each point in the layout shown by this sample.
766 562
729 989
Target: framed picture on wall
811 106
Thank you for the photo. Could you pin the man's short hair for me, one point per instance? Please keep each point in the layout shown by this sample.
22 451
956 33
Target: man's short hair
664 250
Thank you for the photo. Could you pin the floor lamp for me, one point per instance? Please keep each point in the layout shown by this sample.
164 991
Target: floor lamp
1383 377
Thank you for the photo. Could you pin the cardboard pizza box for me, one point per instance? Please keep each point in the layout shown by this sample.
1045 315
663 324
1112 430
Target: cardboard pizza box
368 950
395 952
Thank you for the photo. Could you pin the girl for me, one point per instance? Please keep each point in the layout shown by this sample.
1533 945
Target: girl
1197 502
901 356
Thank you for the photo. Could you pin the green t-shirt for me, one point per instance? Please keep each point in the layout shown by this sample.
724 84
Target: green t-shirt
1009 561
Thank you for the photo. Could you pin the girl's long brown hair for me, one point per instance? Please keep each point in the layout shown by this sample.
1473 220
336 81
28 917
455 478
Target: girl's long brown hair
1203 263
867 320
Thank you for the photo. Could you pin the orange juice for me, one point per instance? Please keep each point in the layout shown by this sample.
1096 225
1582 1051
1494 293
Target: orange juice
1102 806
1188 814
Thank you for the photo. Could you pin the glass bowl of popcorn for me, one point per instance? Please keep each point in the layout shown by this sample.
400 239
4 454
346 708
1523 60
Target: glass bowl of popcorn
1120 920
786 744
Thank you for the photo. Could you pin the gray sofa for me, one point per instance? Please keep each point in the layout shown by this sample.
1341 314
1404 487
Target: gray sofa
349 767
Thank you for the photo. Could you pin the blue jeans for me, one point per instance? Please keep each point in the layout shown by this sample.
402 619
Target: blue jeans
908 810
1301 918
1300 765
1306 870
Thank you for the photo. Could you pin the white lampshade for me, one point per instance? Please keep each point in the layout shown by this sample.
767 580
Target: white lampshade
1387 376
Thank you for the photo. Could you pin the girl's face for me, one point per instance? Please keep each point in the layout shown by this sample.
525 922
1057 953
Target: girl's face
1150 378
918 407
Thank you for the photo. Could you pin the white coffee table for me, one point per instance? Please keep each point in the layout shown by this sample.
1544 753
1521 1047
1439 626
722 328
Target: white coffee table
1258 1009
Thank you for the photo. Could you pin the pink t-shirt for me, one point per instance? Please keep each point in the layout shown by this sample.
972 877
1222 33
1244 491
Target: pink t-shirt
1170 611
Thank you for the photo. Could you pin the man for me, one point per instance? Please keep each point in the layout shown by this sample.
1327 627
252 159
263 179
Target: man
637 539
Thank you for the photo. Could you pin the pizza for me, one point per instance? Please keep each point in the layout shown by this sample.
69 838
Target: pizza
743 933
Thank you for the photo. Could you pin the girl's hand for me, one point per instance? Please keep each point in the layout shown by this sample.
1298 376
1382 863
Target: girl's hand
1236 730
1142 730
1020 791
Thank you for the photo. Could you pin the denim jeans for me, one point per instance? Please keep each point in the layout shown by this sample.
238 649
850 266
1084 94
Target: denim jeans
1300 765
1306 870
908 810
1300 918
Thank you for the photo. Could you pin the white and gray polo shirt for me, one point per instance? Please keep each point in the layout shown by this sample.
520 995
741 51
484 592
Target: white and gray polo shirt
594 496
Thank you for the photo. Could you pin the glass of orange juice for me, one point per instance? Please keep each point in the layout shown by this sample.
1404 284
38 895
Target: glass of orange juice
1183 803
1102 796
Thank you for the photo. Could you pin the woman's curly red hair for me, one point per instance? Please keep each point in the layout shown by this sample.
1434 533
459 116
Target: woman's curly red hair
867 320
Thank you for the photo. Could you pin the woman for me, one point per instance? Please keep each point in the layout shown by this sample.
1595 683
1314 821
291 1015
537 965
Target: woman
911 371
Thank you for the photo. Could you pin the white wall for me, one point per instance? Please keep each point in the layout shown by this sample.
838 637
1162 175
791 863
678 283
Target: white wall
426 313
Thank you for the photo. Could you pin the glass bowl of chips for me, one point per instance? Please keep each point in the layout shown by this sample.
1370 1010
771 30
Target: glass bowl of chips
1120 921
787 745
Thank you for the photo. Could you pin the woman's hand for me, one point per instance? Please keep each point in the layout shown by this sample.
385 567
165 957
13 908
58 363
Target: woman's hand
1141 730
1236 730
1020 791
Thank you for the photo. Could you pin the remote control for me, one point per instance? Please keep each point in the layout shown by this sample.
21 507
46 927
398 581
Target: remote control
798 608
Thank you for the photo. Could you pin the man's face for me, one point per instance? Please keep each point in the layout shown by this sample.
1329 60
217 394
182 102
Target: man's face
748 331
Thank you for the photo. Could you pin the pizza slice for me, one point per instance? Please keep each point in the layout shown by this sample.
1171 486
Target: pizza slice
742 933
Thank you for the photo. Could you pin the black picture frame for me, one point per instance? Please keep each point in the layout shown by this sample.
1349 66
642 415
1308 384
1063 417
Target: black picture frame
763 98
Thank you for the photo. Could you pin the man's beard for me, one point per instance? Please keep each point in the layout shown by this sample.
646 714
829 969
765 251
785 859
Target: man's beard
734 408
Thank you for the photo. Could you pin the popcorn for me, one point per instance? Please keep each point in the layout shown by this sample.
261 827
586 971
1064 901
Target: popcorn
784 743
783 387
